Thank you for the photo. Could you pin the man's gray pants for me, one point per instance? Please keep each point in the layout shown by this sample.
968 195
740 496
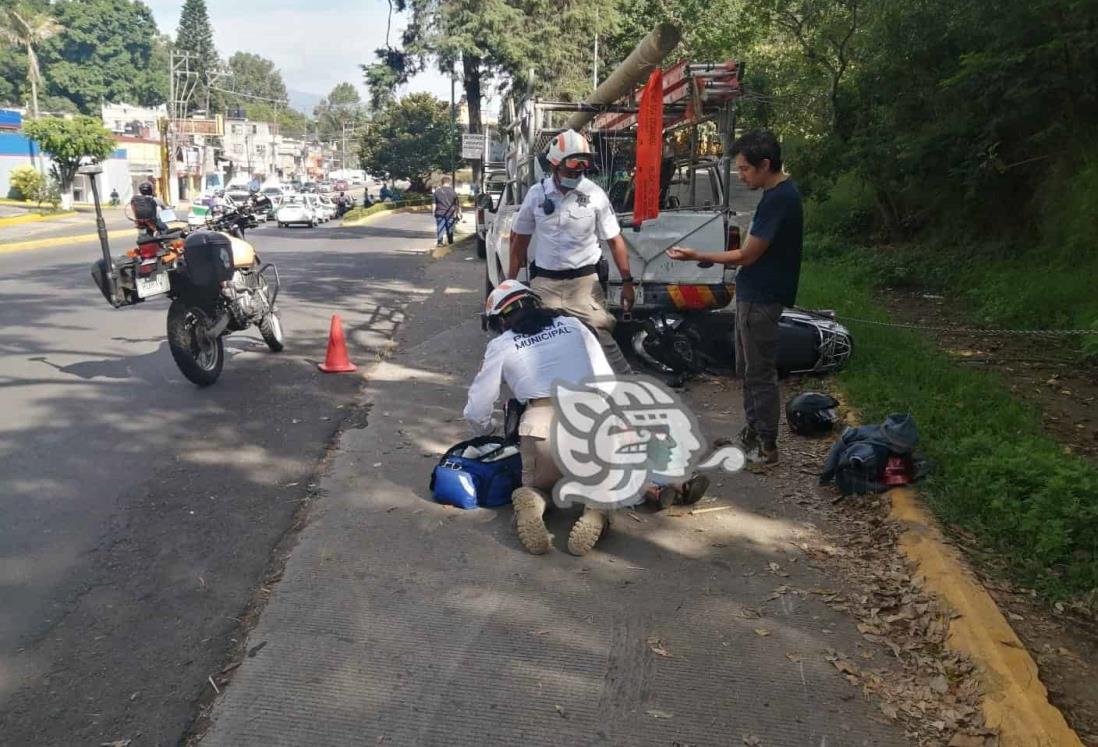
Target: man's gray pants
757 365
583 298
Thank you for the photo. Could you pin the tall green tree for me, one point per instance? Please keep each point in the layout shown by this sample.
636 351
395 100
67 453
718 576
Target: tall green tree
105 55
339 116
256 79
409 139
70 142
194 36
24 26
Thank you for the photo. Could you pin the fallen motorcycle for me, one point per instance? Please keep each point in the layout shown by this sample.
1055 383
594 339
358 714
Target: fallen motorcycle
215 280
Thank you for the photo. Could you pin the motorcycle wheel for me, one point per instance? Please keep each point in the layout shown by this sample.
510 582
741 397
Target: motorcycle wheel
197 358
271 329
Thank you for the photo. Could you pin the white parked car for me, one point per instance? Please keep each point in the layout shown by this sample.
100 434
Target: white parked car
326 207
296 209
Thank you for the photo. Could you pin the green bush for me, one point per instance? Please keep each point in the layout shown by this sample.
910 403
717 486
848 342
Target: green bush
27 184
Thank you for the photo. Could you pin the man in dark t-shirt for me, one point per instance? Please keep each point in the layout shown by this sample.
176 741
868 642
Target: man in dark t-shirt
770 268
447 211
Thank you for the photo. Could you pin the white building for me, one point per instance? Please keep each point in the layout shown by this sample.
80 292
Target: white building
252 147
123 119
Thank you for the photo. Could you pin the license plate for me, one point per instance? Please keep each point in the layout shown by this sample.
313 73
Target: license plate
153 286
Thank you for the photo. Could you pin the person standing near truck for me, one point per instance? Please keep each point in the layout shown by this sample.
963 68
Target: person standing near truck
568 214
770 268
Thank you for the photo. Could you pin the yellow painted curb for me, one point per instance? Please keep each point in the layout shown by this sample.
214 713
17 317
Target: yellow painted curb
1014 700
15 220
20 246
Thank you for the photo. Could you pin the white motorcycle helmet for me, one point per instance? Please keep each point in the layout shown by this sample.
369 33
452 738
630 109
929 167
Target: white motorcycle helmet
570 149
507 297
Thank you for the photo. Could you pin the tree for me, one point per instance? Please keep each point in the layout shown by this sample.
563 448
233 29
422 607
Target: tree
409 139
195 37
339 115
23 26
255 79
491 37
70 143
105 54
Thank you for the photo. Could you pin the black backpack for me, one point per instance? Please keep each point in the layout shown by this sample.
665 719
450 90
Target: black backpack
144 207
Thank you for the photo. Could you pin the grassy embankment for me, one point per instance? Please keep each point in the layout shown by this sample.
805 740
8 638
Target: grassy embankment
998 476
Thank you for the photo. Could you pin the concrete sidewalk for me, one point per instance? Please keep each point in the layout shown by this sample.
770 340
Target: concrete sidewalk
398 621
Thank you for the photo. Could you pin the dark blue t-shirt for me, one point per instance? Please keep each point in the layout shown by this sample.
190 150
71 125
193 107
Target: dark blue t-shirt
775 275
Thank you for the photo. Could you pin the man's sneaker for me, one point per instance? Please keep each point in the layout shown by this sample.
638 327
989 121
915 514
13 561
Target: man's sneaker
586 531
762 454
529 506
693 489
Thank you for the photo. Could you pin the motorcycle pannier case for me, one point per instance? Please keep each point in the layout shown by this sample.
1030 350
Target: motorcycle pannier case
209 258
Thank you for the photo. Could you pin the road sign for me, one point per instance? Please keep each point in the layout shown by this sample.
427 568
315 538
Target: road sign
472 147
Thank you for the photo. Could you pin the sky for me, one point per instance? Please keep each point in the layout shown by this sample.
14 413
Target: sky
314 43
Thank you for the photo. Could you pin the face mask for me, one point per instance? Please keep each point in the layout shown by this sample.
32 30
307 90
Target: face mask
570 182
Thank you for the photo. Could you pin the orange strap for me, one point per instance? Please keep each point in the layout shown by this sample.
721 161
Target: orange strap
646 200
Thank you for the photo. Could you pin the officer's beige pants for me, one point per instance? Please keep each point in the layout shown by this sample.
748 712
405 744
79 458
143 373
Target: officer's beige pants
538 468
583 298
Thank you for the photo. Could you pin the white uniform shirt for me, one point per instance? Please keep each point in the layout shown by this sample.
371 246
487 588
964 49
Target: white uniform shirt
564 351
569 237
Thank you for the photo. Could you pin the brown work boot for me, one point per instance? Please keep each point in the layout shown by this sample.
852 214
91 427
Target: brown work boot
586 531
529 505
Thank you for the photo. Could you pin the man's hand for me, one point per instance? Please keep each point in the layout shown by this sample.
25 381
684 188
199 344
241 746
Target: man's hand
682 254
628 297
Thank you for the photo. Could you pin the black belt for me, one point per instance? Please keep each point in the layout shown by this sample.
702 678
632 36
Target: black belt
579 272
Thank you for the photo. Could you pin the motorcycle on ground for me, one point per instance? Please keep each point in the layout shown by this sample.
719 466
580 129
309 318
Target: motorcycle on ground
214 278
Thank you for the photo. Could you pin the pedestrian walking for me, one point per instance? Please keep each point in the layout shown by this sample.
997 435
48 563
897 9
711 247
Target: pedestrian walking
447 211
565 215
770 268
536 347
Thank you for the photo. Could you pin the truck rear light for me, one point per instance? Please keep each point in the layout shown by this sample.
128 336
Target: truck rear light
733 237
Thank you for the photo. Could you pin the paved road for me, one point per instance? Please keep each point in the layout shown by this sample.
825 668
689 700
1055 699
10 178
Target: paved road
139 512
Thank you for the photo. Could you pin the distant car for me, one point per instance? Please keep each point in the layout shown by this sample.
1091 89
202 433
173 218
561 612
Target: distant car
340 185
308 187
275 195
296 209
326 209
206 207
358 180
324 186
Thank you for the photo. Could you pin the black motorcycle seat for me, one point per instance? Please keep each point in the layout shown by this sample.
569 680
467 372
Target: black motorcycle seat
161 238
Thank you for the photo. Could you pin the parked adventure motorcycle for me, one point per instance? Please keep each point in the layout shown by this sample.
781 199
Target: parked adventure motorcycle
214 278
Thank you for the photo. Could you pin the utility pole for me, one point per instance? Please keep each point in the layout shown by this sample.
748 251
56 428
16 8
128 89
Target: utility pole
595 74
453 125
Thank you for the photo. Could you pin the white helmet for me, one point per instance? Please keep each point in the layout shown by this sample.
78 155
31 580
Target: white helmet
506 293
567 145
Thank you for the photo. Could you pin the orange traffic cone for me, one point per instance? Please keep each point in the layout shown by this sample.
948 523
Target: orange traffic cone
336 361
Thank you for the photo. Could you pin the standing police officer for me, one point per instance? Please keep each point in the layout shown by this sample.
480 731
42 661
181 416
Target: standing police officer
568 214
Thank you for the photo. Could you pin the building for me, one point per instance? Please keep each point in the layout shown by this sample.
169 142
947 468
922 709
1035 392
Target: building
135 121
17 151
251 148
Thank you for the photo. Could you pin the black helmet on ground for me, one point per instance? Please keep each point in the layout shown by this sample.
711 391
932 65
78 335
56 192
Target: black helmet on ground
145 188
812 413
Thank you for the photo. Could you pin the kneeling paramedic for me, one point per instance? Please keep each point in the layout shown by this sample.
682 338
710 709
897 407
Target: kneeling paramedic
536 347
567 214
